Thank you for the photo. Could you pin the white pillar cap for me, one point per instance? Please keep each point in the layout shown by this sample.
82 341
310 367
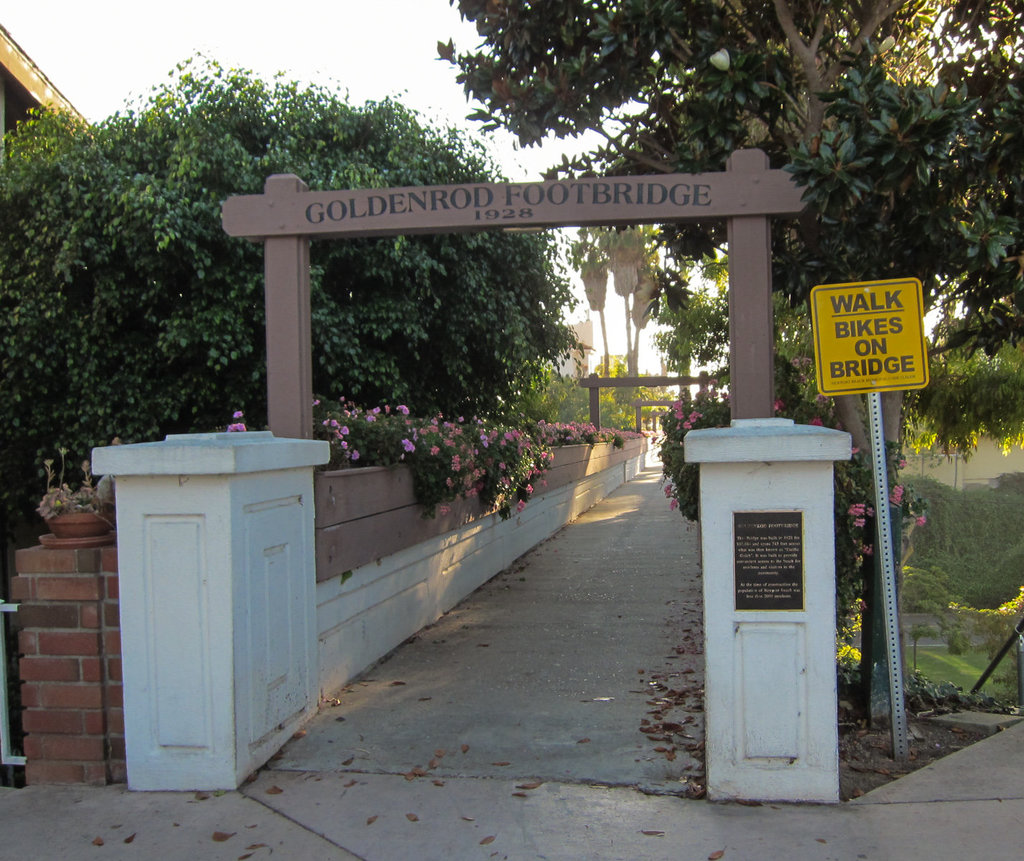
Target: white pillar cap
766 441
210 454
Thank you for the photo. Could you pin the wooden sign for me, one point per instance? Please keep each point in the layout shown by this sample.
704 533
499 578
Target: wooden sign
481 206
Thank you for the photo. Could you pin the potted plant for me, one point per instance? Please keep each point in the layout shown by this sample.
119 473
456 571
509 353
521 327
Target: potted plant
84 516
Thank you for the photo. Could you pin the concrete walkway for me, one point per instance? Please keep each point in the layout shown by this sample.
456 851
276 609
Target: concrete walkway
554 714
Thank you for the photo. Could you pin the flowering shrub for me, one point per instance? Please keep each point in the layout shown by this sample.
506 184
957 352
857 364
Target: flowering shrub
579 433
854 483
449 459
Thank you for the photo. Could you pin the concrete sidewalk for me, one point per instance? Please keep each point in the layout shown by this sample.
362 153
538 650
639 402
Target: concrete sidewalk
514 728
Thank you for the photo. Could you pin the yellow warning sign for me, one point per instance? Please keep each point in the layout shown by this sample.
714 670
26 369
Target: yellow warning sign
869 336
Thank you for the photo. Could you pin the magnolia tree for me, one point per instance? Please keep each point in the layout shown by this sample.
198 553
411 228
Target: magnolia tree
127 311
900 119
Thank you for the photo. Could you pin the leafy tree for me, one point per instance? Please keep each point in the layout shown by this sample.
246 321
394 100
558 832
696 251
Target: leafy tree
125 310
900 117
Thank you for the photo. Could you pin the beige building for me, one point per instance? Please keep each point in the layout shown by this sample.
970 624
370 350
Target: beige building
578 363
982 469
23 85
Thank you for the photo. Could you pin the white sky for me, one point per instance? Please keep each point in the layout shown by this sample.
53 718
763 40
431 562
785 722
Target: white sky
106 53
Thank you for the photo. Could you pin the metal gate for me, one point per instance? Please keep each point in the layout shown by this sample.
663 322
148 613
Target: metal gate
6 757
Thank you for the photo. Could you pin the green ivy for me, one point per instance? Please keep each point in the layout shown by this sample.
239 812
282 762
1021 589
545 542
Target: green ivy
126 311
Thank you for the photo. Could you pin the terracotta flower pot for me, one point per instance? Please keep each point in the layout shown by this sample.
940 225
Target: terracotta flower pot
79 525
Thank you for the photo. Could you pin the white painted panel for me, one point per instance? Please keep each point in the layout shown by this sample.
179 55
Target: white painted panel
276 614
769 690
175 581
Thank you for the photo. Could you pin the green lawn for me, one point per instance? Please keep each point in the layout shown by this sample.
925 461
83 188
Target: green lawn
940 666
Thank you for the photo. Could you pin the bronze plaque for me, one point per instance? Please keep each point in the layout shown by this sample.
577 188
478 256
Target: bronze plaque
768 560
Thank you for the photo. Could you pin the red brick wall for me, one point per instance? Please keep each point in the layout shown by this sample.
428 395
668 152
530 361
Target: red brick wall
70 642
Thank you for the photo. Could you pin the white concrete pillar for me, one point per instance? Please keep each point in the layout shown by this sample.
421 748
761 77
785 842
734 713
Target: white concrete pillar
217 594
768 556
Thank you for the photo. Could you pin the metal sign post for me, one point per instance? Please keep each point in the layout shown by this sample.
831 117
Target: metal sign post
869 338
890 607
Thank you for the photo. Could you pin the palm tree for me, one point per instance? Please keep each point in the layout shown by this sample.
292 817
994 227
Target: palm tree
591 260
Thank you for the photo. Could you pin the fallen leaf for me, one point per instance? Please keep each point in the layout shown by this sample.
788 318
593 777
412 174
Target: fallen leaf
437 782
300 734
465 748
747 803
502 763
349 761
412 817
274 790
419 771
424 699
409 775
483 645
439 752
244 857
221 836
434 763
396 684
654 833
718 853
583 741
857 793
201 796
350 783
533 785
98 841
820 840
371 820
519 794
487 841
130 838
468 819
257 846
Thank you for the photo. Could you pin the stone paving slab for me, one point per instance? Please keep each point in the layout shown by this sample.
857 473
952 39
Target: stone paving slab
991 769
63 823
386 818
549 671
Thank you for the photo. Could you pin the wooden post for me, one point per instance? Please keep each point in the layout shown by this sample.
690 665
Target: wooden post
751 324
595 405
289 342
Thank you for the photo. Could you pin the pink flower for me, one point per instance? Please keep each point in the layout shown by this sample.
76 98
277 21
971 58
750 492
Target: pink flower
435 450
817 422
922 520
673 504
896 496
520 506
779 405
237 414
